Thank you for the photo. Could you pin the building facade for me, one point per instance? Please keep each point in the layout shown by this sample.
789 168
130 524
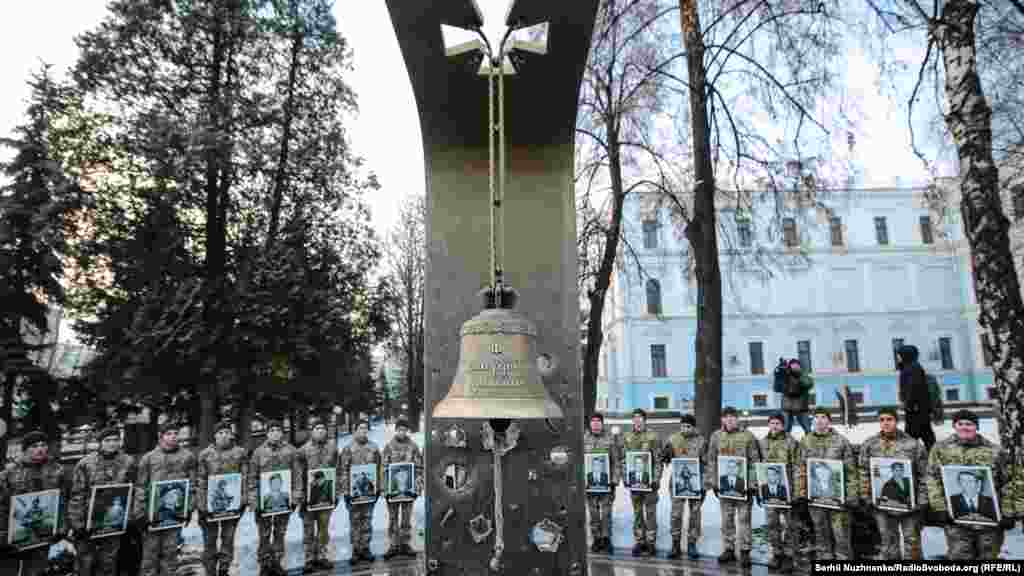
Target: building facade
838 280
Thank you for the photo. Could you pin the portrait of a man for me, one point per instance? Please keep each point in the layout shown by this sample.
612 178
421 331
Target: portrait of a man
168 504
363 483
275 492
597 473
401 484
892 484
732 477
108 509
970 494
686 479
638 471
774 488
826 488
320 493
224 496
33 518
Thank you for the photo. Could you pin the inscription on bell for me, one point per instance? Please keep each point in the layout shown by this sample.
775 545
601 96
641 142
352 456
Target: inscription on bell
498 374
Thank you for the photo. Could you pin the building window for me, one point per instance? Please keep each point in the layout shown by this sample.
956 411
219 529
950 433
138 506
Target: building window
837 231
658 367
897 343
759 400
745 233
952 394
881 231
789 232
650 234
990 392
946 352
757 358
857 396
803 352
852 357
618 402
926 230
986 356
653 296
660 403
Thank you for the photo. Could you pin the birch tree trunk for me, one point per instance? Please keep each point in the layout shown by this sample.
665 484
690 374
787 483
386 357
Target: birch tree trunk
1000 310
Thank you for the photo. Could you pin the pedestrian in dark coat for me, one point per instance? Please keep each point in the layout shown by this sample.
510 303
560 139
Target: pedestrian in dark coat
913 391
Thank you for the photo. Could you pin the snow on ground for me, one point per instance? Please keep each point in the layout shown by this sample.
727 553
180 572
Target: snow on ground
622 517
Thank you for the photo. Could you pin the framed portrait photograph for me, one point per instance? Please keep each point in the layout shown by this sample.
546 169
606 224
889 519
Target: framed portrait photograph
401 482
970 495
686 479
732 477
321 488
892 484
598 472
33 519
363 483
638 471
826 483
109 509
275 492
169 504
773 484
223 497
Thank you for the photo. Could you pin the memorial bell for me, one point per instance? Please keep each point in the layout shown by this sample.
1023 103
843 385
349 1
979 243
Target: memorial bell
499 373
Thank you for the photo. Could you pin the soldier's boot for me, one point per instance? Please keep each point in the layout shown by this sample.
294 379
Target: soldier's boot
310 567
598 545
391 553
638 548
691 551
776 562
677 551
405 550
745 558
324 564
787 565
727 556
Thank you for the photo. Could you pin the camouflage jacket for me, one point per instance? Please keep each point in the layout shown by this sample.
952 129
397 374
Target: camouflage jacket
979 452
781 447
214 461
829 446
24 477
96 470
157 465
271 457
396 452
739 442
605 443
353 455
900 445
646 441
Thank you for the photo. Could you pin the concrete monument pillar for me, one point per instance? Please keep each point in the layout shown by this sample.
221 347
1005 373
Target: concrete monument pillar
542 500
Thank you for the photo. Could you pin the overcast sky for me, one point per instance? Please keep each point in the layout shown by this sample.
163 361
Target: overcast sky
386 132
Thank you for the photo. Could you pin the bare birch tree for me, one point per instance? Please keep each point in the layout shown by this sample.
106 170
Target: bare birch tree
406 261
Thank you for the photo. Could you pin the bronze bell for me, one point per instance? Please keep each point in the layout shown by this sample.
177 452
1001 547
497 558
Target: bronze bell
499 373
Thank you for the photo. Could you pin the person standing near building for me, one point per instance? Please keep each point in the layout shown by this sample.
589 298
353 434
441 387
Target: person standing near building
779 446
599 504
108 466
33 472
361 450
221 457
688 442
730 440
968 448
915 395
317 453
277 456
796 396
401 450
168 461
645 504
831 527
893 443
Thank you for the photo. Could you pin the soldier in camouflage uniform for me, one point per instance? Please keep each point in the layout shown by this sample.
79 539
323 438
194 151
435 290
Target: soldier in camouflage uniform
402 449
687 443
108 466
831 527
274 455
317 453
167 461
968 448
35 472
645 504
221 457
599 504
779 447
891 442
361 451
730 440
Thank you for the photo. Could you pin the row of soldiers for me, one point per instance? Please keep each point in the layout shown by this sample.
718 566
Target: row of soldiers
37 471
831 529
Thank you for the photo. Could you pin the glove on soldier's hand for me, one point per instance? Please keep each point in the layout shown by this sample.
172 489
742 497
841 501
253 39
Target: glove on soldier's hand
1008 523
938 518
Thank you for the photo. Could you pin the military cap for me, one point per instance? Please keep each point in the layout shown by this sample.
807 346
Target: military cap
688 419
32 438
777 416
597 416
108 432
169 426
890 410
823 411
314 422
729 411
640 412
363 421
401 422
965 414
274 423
223 425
